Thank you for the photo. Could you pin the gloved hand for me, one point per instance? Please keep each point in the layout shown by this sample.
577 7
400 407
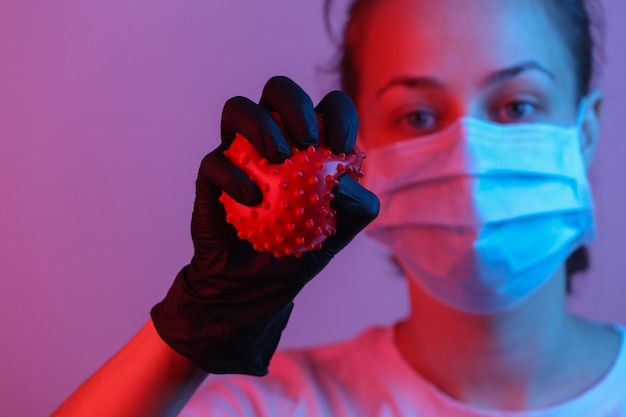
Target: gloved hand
226 310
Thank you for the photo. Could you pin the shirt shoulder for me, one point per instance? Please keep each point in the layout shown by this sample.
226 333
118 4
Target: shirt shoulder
320 381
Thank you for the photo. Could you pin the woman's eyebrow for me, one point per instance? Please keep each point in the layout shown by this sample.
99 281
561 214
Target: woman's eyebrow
512 72
498 76
410 82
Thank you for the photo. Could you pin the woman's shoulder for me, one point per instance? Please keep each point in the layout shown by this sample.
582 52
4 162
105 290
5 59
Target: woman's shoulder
334 361
319 380
365 341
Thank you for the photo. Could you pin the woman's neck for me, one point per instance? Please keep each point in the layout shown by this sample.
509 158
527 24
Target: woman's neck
508 361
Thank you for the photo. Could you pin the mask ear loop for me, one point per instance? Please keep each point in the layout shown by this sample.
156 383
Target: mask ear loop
590 233
580 122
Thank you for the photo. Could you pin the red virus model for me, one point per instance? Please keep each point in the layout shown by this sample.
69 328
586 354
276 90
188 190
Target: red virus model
295 215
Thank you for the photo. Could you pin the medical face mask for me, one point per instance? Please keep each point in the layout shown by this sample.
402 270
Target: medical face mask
481 215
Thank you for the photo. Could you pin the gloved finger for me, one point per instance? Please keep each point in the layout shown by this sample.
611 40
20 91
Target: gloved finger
217 174
295 108
356 207
243 116
340 121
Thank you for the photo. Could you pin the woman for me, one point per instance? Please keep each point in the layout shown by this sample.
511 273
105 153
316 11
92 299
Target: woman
479 122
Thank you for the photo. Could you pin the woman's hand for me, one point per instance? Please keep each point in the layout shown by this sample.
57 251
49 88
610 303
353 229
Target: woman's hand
227 309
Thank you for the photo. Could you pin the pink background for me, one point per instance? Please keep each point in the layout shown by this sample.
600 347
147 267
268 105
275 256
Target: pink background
106 109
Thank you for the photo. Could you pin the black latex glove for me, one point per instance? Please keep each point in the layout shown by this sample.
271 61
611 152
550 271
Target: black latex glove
227 309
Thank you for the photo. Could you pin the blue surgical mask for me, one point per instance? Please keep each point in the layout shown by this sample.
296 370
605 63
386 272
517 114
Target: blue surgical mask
480 214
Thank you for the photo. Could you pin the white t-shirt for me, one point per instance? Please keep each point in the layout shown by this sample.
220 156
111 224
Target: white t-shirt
367 376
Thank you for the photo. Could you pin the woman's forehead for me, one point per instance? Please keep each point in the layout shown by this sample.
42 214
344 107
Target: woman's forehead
461 40
456 20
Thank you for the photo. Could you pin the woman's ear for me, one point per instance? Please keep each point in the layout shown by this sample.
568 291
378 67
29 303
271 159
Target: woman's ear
591 125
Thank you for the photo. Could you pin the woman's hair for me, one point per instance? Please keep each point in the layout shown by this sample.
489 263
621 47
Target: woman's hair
578 21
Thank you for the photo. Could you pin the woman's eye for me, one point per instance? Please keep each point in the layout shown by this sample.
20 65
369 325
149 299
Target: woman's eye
515 112
419 120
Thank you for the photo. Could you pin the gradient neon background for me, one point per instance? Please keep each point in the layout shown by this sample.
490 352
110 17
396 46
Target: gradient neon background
106 109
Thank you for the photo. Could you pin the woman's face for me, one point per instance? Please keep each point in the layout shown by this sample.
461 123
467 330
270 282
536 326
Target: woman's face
423 64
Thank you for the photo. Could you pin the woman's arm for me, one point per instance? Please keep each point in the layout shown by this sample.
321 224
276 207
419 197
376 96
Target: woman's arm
145 378
226 310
